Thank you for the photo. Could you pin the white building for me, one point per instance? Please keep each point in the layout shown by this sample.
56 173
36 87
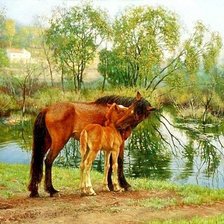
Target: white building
18 55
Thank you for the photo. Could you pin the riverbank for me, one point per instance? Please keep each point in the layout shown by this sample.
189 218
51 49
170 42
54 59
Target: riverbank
148 202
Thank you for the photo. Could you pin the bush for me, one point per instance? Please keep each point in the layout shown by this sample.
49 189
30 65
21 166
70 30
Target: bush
7 104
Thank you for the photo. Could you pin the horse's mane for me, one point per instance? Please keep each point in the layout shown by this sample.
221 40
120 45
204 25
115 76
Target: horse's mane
121 100
140 108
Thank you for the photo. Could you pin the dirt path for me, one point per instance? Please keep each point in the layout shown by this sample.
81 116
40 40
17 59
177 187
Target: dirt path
106 207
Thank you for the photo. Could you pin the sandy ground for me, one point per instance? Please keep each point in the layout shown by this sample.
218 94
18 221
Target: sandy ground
106 207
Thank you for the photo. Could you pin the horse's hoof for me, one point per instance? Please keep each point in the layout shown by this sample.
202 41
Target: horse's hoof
111 187
53 192
34 195
126 186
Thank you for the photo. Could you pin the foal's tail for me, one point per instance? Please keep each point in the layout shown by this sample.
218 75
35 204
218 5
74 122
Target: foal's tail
40 134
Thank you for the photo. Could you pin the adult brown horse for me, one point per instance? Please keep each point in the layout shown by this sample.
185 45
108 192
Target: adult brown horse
55 124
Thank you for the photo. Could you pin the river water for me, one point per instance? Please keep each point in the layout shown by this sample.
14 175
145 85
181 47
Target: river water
162 147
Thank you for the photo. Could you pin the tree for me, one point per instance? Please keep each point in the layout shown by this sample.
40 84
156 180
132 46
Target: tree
142 38
10 31
195 74
2 26
74 37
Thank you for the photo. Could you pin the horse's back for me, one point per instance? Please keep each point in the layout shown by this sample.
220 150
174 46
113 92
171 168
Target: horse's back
60 111
60 120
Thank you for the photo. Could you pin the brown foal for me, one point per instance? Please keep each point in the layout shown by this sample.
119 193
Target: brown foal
94 138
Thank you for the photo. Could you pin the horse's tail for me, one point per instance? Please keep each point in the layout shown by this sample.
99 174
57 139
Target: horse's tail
83 144
40 133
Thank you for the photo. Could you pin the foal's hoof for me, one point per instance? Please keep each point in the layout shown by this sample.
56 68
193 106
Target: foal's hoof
119 189
106 188
90 192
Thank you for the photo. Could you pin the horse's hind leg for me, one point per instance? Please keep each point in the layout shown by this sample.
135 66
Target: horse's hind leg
52 154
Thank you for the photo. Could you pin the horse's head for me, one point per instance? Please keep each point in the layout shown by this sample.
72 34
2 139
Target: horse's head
142 109
139 110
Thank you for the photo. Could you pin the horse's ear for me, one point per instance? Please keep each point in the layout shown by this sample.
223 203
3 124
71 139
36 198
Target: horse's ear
138 96
116 107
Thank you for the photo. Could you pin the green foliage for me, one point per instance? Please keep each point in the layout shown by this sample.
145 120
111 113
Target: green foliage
141 37
74 37
4 61
2 22
7 104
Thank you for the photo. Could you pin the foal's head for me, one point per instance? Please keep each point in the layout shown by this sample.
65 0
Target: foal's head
119 115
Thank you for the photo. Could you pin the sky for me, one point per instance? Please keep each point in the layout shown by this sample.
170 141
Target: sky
210 12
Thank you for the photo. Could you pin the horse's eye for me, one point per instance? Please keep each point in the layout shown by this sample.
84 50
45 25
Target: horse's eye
138 111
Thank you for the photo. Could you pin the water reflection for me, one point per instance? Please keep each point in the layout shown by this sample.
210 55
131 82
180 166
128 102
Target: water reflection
15 141
162 147
10 152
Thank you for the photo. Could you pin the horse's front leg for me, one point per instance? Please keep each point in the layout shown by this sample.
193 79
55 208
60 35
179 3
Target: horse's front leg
121 178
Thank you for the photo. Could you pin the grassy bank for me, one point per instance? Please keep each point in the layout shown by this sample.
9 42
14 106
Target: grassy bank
157 201
14 179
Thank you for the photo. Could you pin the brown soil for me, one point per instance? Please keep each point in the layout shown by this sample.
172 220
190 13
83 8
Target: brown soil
106 207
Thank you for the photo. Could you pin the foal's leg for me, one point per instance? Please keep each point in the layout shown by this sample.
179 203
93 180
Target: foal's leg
115 167
82 182
52 154
121 178
84 153
88 164
106 169
82 173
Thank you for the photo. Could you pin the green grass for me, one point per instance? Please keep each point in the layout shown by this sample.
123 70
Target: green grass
219 219
189 194
160 195
14 179
154 203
